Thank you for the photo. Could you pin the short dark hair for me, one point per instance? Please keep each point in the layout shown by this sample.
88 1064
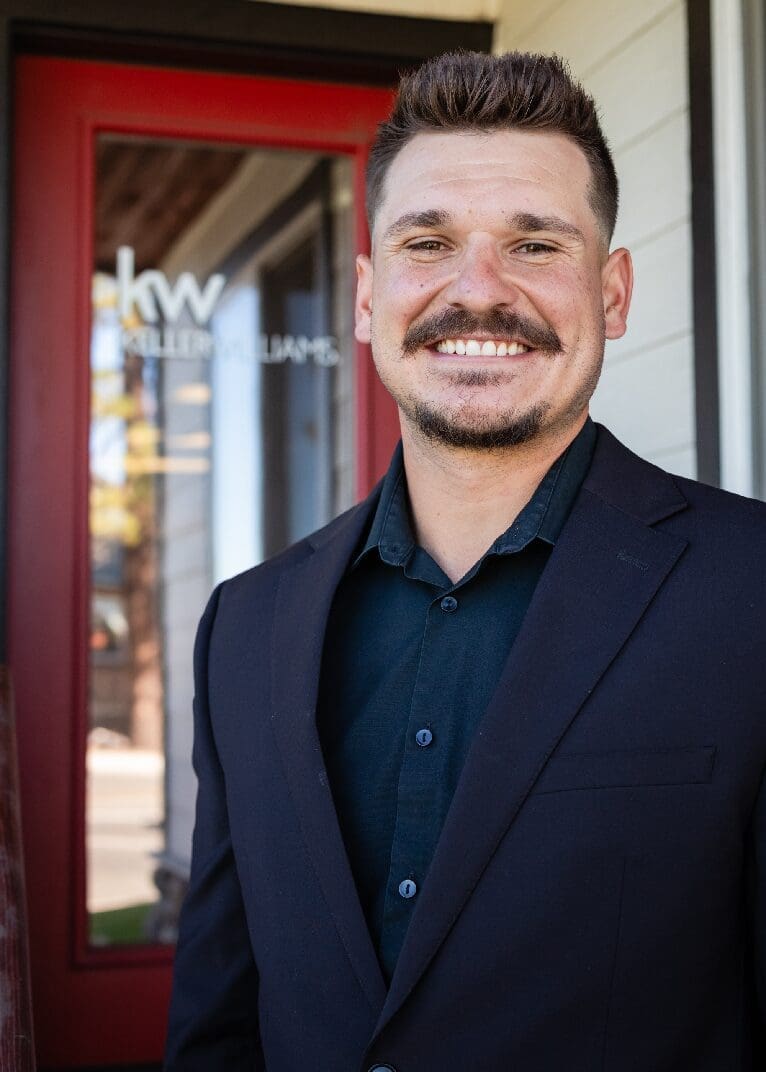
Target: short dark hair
473 91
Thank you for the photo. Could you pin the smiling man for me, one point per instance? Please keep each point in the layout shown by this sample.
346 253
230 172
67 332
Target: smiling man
492 797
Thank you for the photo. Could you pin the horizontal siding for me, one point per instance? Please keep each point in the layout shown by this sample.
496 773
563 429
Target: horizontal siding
680 460
585 31
519 20
670 425
661 308
633 58
656 198
644 82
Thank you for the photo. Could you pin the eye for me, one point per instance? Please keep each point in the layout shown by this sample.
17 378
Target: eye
533 247
426 245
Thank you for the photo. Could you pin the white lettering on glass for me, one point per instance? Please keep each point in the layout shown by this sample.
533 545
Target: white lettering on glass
276 349
160 306
152 294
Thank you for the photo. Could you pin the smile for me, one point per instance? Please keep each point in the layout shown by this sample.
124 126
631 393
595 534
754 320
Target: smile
481 347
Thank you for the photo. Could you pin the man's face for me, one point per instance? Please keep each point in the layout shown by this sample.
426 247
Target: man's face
489 292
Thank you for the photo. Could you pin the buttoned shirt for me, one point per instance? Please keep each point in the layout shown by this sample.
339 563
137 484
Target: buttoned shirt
409 665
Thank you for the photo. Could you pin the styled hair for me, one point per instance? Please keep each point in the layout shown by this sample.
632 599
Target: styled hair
473 91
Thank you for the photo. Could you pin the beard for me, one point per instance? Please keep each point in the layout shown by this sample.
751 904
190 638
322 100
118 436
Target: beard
477 428
486 433
464 425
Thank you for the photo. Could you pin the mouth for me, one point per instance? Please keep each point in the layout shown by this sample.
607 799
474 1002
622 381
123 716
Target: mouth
476 347
499 335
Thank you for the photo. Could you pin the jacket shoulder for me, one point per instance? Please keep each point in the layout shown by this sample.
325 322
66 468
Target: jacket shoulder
727 532
646 490
717 500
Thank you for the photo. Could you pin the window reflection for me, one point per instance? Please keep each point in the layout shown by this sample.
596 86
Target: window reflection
221 388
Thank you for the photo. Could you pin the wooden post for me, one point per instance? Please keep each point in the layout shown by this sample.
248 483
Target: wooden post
17 1053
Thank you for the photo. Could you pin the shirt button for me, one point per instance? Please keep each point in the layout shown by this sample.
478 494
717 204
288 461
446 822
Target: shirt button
448 604
408 888
424 737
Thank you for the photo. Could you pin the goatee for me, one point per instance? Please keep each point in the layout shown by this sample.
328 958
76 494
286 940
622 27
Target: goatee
499 433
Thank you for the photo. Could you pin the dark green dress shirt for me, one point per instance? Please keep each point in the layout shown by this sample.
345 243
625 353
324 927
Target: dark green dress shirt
409 665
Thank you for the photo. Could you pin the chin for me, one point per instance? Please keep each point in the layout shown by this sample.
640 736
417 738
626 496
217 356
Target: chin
484 431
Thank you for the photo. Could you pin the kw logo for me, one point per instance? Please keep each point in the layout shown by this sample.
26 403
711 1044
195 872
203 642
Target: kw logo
161 305
155 299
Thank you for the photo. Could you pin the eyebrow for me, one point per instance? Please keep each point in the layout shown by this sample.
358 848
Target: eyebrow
433 217
529 221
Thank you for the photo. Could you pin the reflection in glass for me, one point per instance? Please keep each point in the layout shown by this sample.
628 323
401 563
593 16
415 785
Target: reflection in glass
221 402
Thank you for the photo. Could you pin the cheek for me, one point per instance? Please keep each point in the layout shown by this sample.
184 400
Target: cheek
570 302
405 292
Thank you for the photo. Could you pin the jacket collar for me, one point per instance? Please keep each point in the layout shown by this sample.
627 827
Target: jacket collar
625 481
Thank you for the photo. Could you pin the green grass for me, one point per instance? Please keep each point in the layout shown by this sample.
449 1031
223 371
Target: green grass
120 926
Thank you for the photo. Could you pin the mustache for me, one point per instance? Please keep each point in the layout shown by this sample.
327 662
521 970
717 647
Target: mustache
498 323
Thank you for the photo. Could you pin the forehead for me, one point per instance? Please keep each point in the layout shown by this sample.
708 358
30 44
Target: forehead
485 173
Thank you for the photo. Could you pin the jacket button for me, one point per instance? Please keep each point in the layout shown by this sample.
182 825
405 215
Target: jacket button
382 1068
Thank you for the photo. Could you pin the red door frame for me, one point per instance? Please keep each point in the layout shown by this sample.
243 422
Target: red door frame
105 1006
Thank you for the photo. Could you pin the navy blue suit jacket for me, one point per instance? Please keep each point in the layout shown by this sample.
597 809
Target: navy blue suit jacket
597 900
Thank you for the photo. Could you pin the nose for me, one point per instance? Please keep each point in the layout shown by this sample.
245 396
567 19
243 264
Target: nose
482 281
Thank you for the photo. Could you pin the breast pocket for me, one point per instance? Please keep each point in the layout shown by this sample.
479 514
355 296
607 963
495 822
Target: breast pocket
627 769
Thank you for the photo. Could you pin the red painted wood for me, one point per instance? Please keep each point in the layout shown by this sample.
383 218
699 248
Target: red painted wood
103 1006
16 1037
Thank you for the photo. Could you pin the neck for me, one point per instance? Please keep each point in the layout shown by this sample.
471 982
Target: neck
462 500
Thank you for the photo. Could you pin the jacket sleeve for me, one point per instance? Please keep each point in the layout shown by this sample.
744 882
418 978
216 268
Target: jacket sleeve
213 1011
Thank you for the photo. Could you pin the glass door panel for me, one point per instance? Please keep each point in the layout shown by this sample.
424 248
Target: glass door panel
181 240
220 432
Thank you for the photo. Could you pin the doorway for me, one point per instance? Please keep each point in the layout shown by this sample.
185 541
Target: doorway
187 398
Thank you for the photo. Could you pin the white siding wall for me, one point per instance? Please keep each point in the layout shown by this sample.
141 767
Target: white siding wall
632 56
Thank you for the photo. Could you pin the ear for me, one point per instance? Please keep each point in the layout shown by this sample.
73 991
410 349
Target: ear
363 307
616 289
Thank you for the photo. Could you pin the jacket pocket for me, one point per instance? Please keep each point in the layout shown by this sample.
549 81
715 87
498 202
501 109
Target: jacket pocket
625 769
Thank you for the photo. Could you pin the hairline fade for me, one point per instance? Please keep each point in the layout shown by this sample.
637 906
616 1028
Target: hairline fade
465 92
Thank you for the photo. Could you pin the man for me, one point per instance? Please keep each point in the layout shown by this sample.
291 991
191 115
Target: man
480 763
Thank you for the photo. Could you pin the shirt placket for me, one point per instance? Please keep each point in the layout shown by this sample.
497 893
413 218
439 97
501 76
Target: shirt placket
422 777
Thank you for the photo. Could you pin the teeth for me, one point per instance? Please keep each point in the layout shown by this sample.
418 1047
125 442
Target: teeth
481 348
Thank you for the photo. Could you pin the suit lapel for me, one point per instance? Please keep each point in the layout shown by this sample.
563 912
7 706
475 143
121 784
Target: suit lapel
603 572
303 604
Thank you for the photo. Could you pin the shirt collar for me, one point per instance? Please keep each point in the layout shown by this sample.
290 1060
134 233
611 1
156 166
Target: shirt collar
543 517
